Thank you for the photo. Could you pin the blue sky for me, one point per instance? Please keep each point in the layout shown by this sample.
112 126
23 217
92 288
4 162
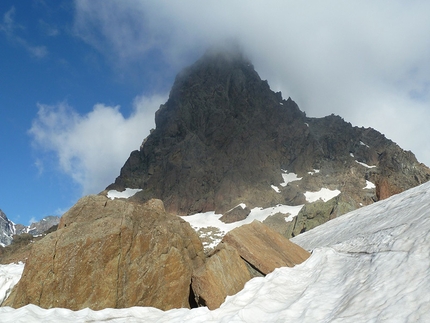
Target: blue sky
81 80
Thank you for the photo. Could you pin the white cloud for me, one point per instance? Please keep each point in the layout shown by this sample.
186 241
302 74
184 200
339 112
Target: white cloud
364 60
92 148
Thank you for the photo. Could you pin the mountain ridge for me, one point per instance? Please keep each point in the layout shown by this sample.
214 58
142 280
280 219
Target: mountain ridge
8 229
224 138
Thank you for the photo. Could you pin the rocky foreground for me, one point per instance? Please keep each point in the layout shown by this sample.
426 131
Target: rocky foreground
370 265
116 254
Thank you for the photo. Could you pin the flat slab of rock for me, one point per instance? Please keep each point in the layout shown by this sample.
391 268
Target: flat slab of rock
223 274
264 248
112 254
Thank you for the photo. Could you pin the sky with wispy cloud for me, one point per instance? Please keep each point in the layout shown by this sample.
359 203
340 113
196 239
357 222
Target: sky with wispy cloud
81 80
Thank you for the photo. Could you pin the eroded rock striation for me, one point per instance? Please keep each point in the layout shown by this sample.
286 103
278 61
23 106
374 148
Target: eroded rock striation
112 253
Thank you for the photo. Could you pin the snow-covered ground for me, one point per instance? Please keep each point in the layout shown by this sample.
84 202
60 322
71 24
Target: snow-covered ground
9 276
370 265
210 219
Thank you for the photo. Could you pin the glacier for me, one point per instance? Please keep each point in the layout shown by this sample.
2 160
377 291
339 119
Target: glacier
370 265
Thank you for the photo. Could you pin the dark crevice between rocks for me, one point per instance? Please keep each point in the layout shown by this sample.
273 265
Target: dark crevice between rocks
253 270
194 303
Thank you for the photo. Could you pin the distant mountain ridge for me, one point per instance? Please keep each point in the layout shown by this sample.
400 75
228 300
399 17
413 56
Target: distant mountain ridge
8 229
224 138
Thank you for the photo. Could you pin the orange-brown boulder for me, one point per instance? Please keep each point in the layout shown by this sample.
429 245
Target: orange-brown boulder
112 254
264 248
223 274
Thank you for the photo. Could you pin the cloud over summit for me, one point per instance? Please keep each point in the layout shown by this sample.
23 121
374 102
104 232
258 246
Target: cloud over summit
364 60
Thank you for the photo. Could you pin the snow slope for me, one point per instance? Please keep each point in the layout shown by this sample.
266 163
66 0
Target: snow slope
9 276
370 265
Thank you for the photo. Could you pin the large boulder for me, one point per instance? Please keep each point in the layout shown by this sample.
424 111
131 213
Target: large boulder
263 248
112 253
223 274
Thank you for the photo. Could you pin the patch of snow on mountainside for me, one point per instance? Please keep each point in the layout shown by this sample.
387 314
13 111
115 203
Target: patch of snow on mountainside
324 194
369 186
315 171
210 220
365 165
128 192
276 188
289 177
370 265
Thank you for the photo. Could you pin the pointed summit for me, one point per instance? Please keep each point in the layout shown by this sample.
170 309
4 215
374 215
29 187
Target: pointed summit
215 135
224 138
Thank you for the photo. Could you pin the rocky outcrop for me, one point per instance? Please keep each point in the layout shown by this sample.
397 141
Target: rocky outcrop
263 248
236 214
112 253
7 229
223 274
224 138
252 250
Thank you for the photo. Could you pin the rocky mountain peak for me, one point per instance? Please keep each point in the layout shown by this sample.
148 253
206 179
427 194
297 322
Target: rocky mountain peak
215 98
224 138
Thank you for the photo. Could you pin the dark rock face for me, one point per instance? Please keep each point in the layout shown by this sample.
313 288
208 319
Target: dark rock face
219 131
223 137
7 229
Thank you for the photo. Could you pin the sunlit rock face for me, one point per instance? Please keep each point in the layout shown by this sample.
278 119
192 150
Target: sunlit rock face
224 138
112 254
264 249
